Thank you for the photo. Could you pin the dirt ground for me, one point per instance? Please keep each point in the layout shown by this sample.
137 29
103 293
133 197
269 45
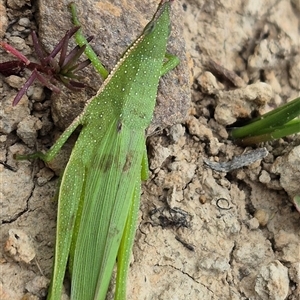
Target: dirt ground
231 233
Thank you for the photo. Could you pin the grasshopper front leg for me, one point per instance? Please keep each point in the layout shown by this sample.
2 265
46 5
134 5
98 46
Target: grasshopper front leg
56 147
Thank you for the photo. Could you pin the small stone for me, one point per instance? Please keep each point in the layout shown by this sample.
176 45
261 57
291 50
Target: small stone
160 155
273 81
262 217
294 69
264 177
288 245
288 167
176 132
272 282
253 224
19 246
240 103
202 199
38 286
10 115
174 196
3 138
15 81
38 93
16 4
198 129
24 22
44 175
182 172
27 130
3 20
208 83
18 43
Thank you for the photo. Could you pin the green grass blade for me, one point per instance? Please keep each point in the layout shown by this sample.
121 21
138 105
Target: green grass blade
269 121
291 127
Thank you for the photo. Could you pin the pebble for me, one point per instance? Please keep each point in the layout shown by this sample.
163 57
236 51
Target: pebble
262 217
19 246
272 282
264 177
24 22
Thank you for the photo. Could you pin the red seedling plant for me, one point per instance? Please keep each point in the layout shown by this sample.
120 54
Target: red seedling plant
48 71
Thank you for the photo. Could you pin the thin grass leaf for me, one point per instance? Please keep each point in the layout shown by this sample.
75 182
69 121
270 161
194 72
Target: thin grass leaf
278 132
275 120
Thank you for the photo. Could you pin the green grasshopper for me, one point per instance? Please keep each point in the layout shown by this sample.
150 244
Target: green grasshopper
101 184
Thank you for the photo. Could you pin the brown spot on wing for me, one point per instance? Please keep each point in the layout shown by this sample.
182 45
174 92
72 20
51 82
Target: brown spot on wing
128 162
